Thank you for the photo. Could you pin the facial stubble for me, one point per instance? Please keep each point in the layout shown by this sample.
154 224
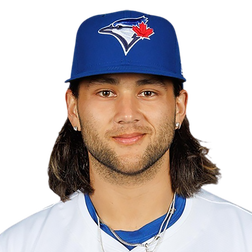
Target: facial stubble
128 170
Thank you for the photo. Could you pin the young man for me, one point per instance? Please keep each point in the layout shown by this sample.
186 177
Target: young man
127 169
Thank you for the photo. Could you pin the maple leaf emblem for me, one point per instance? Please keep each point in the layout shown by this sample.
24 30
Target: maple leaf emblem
143 31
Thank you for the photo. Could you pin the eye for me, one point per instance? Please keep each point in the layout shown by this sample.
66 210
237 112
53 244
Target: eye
106 93
147 93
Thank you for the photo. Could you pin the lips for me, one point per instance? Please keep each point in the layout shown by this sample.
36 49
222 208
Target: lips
129 139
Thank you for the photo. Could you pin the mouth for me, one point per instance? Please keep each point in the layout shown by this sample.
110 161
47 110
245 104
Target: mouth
129 139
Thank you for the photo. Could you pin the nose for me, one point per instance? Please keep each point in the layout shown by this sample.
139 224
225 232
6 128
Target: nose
127 110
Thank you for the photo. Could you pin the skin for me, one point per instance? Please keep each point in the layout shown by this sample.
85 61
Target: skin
127 122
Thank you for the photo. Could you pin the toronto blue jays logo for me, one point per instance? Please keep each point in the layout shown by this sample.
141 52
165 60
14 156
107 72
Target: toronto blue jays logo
128 31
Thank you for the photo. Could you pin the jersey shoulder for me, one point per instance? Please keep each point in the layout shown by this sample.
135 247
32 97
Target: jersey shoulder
28 231
211 223
223 211
219 203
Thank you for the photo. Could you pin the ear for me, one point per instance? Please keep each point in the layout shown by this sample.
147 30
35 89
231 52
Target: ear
181 104
72 109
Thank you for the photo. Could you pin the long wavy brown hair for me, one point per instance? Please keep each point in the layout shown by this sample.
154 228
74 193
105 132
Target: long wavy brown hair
190 168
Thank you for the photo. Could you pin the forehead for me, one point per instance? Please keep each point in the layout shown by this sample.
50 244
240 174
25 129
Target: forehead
139 79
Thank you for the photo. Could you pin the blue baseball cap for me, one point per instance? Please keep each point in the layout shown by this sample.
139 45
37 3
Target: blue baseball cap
126 42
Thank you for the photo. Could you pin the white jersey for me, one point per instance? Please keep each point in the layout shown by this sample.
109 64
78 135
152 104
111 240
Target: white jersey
208 224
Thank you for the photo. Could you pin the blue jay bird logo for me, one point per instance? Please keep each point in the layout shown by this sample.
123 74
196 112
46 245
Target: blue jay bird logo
128 31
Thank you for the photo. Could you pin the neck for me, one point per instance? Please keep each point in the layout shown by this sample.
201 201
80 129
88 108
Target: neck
128 203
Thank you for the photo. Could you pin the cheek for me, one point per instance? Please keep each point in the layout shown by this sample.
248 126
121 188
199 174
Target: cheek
94 116
159 113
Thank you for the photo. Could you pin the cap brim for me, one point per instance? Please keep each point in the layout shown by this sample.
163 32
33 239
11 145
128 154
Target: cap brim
127 69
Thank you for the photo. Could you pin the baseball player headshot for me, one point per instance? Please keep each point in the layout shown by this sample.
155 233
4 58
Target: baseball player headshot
126 166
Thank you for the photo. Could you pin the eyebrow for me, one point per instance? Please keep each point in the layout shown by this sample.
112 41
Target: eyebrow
152 81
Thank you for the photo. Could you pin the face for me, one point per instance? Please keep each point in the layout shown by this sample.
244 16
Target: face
127 120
